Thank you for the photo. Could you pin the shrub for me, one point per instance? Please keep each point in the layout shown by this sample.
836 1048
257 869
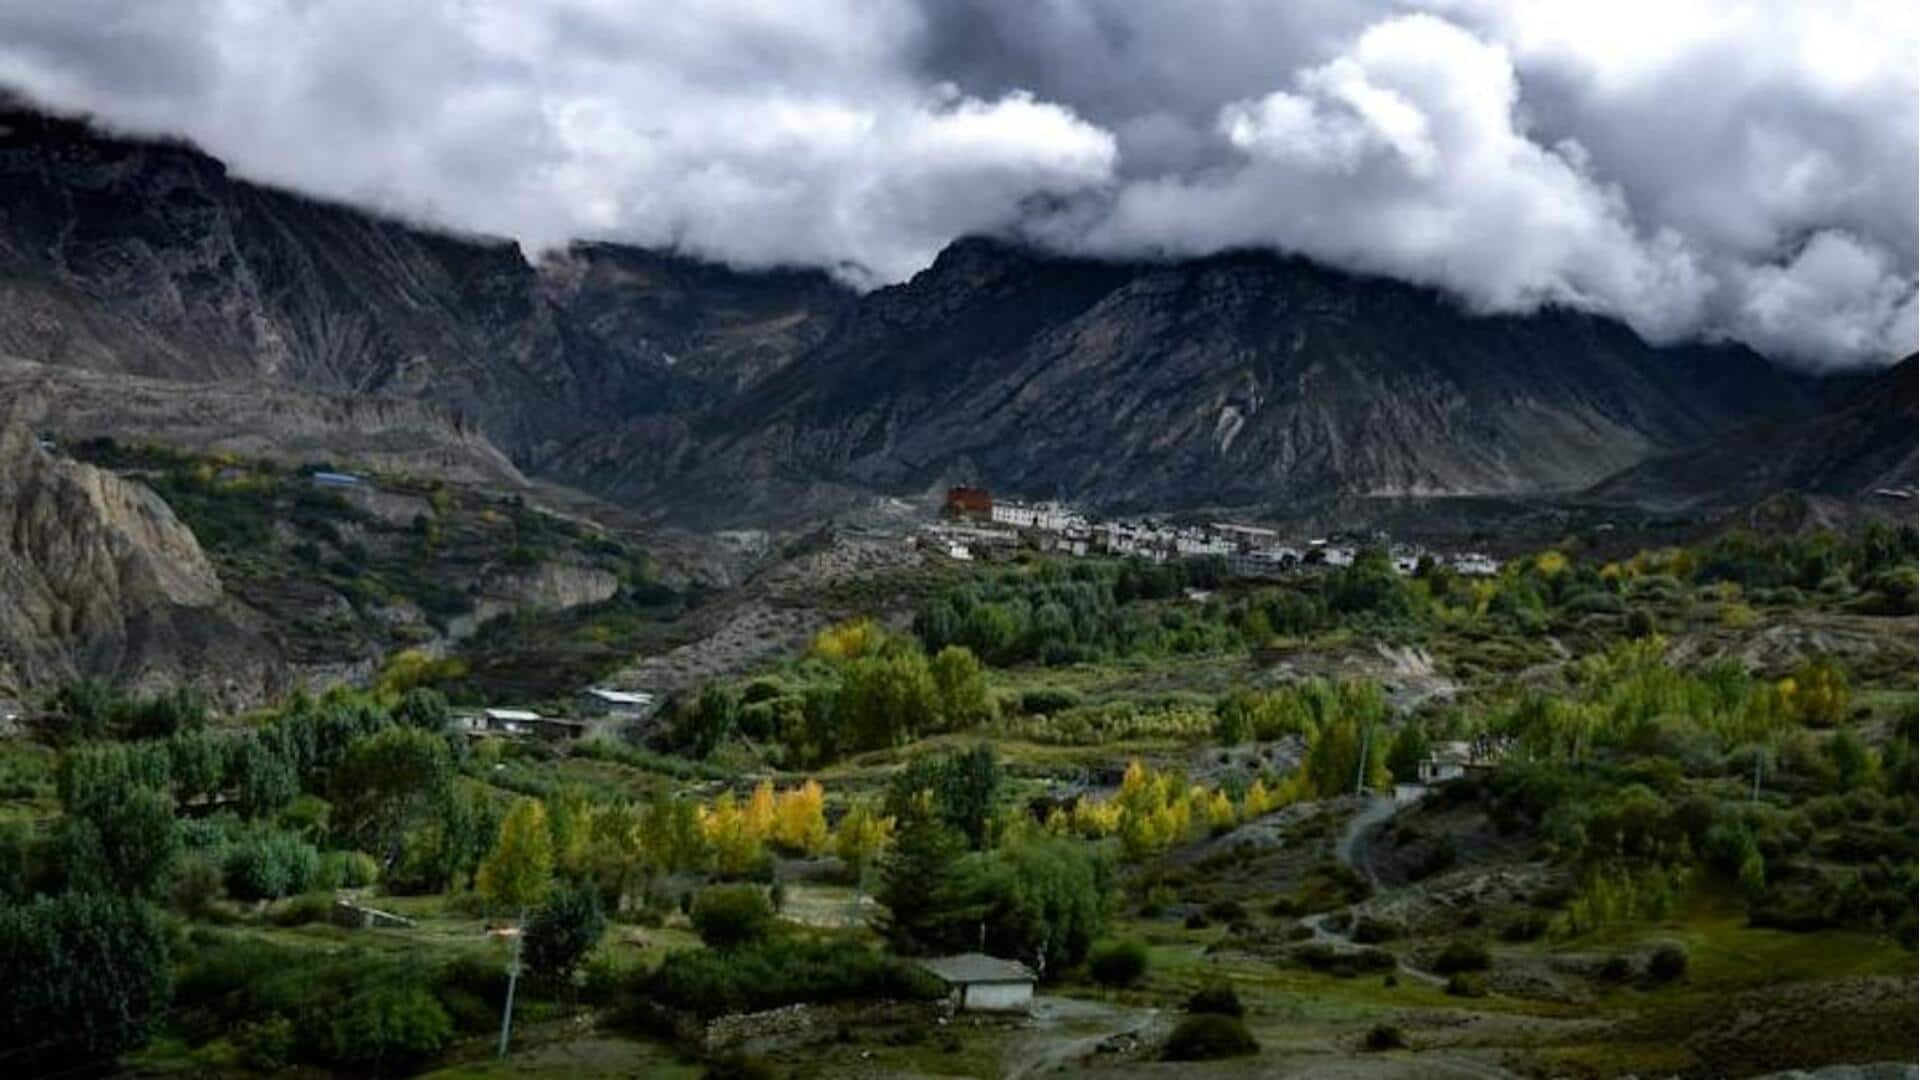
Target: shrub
1344 963
1118 963
196 884
302 910
729 915
1196 920
784 971
1669 962
387 1028
1386 1037
1616 969
1048 699
563 931
1220 998
348 870
1209 1036
268 864
266 1044
1368 930
1462 956
89 975
1465 985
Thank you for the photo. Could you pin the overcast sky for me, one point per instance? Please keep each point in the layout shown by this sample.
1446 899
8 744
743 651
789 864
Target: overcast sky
1697 167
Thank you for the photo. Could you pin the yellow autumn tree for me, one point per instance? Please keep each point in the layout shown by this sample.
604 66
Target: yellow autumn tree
736 847
762 811
1257 801
849 640
518 871
1221 815
801 819
864 834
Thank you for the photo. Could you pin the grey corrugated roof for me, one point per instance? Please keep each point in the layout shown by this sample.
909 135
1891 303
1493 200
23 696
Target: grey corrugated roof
977 968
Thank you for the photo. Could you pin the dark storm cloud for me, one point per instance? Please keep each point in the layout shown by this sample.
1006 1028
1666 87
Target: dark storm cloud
1696 167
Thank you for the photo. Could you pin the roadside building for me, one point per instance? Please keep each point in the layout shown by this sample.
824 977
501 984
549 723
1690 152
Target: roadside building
977 982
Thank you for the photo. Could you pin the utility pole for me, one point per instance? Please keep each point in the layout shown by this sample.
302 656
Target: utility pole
513 979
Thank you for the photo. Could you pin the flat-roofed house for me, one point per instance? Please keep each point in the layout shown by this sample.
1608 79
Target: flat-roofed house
511 721
627 704
981 983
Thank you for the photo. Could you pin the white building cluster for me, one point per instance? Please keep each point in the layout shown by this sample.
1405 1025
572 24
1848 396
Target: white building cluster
1248 550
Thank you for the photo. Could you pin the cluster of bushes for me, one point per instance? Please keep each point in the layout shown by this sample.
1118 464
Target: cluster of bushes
784 970
86 710
1114 722
355 1010
1058 612
871 692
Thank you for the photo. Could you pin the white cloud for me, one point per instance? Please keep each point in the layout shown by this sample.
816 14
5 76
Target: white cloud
1402 157
1698 167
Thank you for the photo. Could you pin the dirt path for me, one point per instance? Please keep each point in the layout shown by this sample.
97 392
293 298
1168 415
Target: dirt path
1355 851
1065 1030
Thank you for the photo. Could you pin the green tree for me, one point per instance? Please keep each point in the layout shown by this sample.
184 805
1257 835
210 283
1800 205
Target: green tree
919 883
385 783
729 915
1408 751
198 763
964 786
516 874
423 708
265 772
563 931
885 700
89 979
962 684
138 842
1044 901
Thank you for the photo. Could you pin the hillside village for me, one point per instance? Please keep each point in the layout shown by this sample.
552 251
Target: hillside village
975 524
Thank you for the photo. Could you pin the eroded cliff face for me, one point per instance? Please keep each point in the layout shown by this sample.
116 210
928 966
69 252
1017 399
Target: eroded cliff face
98 578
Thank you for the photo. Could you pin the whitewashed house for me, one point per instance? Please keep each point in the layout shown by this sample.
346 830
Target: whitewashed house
1446 761
977 982
1475 564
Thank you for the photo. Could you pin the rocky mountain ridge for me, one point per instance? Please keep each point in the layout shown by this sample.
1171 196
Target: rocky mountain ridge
147 258
714 397
1863 444
1243 379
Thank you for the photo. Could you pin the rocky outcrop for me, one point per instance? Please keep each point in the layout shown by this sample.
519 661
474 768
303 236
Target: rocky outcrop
98 578
551 586
256 419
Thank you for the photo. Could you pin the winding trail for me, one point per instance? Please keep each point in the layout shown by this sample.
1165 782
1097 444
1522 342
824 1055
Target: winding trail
1355 851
